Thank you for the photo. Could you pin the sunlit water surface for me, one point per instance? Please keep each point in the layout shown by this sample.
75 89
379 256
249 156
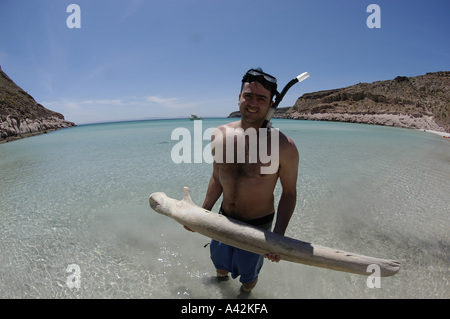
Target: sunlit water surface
79 196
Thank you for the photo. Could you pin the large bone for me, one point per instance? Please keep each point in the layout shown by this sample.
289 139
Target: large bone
244 236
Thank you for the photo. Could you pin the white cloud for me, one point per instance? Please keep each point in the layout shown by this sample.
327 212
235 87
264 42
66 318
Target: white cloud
105 110
171 103
104 102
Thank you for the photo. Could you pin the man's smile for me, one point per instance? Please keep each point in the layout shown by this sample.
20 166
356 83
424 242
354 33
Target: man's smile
252 110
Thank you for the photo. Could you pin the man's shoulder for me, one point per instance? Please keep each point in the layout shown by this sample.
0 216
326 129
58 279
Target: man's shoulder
286 143
285 139
223 127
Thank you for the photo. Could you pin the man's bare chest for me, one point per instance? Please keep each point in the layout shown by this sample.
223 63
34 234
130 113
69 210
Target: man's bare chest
247 154
241 170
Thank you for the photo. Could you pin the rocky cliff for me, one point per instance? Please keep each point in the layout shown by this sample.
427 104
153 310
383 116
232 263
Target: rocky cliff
421 102
21 115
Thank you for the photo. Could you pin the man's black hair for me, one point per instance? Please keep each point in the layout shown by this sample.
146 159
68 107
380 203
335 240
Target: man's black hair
272 87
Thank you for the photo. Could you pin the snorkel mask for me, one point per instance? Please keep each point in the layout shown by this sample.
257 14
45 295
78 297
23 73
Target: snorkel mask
266 80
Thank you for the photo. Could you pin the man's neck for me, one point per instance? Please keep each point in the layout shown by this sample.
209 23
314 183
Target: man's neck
245 125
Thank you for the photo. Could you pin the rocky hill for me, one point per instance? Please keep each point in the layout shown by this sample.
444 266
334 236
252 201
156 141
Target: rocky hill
21 115
421 102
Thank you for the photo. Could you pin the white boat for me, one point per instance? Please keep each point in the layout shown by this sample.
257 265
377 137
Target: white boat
194 117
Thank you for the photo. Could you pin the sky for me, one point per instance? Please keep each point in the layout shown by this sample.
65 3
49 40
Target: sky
142 59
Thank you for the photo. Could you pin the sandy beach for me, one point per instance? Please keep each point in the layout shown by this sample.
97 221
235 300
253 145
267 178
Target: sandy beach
443 134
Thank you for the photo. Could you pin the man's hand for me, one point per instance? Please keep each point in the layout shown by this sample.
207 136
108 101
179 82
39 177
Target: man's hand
273 257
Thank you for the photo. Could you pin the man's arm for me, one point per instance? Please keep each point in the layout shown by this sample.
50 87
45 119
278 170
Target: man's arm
288 177
288 172
213 192
214 189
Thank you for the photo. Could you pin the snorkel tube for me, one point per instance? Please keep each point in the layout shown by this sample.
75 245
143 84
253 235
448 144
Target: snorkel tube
280 96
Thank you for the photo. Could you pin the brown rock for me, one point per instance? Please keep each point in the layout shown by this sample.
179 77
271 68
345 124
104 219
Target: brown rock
22 116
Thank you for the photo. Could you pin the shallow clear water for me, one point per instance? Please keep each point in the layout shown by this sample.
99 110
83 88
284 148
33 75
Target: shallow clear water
79 196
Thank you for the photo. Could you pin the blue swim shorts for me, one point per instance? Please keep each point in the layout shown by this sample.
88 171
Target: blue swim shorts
237 261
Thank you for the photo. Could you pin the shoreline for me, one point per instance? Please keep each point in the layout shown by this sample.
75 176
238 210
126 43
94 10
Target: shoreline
424 123
443 134
378 119
26 135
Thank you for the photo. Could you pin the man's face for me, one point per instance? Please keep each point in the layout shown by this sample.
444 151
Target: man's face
254 103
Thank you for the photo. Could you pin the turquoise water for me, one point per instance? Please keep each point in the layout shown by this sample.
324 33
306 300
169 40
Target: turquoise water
79 196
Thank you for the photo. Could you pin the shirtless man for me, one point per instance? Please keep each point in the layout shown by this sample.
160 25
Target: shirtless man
247 193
